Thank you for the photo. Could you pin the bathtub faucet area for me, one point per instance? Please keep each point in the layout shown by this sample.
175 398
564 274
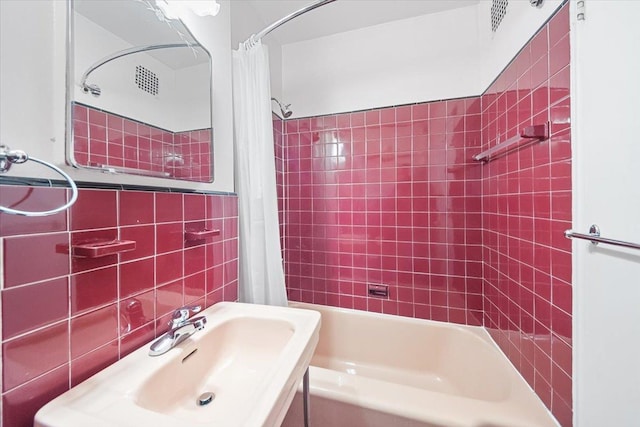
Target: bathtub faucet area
181 326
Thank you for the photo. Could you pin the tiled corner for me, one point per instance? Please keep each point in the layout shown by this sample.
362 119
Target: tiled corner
105 139
527 206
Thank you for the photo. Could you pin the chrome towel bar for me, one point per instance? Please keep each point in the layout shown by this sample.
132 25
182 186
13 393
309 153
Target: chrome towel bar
594 237
535 133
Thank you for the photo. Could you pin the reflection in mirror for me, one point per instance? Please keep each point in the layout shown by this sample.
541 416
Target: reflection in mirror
140 95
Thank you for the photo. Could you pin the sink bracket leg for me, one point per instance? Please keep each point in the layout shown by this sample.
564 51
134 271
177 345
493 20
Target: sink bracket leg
305 397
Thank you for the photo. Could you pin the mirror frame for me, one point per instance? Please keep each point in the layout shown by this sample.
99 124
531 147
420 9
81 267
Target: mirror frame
69 100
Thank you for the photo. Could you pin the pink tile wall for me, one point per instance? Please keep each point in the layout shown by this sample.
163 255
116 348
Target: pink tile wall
195 149
278 140
527 206
387 196
391 196
65 318
102 138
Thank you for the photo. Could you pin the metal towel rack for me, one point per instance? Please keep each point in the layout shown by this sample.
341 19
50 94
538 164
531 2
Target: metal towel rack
533 133
594 237
9 157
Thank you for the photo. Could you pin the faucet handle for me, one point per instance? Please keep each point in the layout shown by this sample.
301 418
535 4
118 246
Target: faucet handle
181 315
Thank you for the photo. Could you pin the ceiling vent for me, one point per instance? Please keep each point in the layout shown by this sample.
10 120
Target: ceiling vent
498 10
146 80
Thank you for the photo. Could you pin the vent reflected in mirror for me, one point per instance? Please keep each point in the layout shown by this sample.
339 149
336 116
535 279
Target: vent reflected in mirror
140 96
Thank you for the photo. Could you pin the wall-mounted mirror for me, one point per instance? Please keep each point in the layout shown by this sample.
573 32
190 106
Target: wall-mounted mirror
140 92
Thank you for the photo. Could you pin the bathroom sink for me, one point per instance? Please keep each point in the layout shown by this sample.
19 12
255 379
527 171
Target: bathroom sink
241 370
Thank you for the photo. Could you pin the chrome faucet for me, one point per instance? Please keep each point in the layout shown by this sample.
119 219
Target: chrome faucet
181 326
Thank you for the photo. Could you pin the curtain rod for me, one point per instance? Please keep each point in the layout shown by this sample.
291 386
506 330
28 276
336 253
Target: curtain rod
288 18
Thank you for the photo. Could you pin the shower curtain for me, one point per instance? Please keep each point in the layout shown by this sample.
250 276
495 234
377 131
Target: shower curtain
261 272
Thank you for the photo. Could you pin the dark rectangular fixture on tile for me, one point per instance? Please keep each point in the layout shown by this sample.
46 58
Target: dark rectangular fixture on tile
193 235
378 290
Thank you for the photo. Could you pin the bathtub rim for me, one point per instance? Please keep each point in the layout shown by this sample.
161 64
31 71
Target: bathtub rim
523 389
479 331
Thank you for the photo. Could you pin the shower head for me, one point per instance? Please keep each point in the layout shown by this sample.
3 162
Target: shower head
92 89
286 112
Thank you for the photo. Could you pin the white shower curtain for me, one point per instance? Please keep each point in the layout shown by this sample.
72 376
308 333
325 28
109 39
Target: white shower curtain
261 271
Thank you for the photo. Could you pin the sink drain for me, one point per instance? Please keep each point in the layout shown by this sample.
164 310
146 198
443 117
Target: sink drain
205 398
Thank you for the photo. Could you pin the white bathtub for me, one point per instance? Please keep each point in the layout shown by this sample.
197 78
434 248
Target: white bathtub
389 371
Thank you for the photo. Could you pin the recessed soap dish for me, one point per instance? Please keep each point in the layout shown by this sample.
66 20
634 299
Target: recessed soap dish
102 248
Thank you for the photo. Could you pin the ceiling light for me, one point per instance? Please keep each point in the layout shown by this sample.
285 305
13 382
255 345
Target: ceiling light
172 9
203 7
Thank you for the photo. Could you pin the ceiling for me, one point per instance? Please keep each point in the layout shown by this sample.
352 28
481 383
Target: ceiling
136 22
132 21
123 17
342 15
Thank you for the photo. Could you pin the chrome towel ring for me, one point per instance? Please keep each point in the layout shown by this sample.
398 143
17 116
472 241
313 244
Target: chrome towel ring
9 157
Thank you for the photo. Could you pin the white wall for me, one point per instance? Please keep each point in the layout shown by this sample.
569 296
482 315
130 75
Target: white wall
245 22
179 105
191 108
606 279
444 55
399 62
215 34
519 24
32 83
28 83
275 72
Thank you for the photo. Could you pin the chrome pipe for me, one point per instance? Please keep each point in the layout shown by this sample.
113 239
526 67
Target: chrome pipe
125 52
288 18
594 238
305 397
284 109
